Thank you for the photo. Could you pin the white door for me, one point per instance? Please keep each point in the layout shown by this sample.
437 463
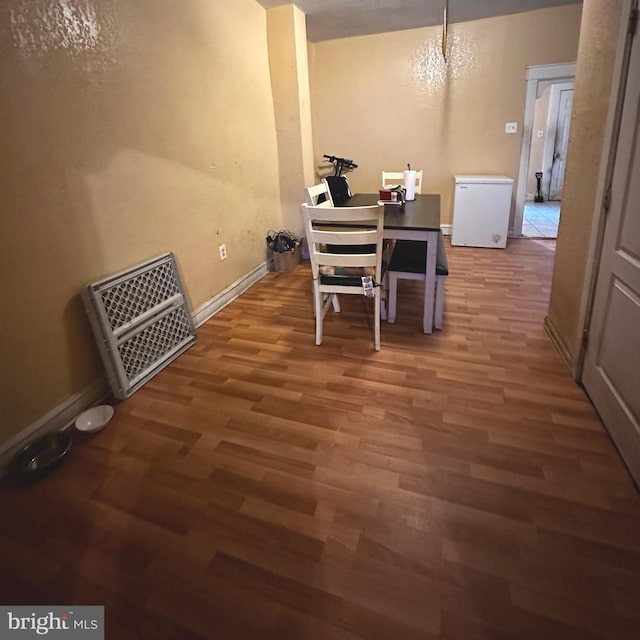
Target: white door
611 372
560 145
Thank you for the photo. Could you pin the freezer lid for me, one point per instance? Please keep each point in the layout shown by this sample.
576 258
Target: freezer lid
483 179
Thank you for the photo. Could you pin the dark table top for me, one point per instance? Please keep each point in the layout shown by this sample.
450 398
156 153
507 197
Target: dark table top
421 214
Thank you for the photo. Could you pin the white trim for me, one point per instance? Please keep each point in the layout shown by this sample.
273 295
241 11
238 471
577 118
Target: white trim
446 229
228 295
63 416
551 71
537 78
58 419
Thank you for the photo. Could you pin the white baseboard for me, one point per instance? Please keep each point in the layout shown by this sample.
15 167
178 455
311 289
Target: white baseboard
446 229
222 299
63 416
58 419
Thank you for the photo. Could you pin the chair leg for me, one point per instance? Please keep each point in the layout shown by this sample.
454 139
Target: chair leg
439 304
317 297
392 296
376 321
335 302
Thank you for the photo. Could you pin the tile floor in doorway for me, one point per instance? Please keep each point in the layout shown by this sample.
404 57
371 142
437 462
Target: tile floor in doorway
541 219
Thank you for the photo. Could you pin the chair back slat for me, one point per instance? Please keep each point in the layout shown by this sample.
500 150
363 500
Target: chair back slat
390 178
346 260
344 239
313 193
344 215
356 236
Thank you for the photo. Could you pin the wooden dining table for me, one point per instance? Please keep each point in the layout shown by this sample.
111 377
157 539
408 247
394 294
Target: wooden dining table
419 220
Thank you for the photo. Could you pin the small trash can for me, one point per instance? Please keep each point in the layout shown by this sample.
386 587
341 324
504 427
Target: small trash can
286 250
286 260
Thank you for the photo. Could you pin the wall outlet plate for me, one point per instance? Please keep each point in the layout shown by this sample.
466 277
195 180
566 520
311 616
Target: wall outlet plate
222 248
511 127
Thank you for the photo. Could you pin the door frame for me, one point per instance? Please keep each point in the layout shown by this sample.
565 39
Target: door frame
538 78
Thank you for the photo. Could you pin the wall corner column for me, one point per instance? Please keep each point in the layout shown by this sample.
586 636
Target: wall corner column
287 40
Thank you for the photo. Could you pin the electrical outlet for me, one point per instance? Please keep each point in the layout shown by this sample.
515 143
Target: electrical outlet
511 127
222 248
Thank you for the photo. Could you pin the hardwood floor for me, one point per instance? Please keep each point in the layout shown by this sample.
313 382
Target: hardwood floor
458 485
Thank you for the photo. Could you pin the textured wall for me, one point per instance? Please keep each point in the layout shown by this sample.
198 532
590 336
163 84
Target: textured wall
290 82
128 129
387 100
594 73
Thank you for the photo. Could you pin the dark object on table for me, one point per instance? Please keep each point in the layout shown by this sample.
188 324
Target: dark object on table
43 454
338 184
339 187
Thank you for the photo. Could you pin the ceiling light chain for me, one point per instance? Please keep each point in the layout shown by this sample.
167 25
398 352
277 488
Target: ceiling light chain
445 20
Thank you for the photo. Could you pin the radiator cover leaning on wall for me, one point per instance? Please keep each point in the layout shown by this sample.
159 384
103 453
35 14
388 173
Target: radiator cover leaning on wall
141 321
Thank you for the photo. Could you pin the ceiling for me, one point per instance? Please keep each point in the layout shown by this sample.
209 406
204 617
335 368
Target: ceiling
330 19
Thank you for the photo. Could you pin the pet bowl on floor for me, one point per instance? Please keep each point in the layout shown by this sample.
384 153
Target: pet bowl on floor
43 453
94 419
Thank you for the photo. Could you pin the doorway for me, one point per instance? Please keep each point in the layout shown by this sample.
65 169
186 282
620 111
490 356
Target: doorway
547 158
539 78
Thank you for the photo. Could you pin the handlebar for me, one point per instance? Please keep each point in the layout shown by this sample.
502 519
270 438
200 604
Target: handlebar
340 163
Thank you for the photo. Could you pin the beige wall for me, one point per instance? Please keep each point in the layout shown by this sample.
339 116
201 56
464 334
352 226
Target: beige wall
387 100
290 82
594 75
128 129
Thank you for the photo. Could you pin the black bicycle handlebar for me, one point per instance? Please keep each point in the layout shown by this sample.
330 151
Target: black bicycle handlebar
340 163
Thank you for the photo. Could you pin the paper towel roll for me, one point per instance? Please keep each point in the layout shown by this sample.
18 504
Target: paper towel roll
410 185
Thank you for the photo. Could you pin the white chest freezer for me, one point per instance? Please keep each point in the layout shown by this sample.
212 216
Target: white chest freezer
481 207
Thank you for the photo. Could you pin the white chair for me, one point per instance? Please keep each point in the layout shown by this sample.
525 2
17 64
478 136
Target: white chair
312 195
340 270
392 178
408 262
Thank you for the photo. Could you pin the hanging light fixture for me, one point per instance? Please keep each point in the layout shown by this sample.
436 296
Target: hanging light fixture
445 25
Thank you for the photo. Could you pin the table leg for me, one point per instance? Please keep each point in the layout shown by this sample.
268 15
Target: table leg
430 282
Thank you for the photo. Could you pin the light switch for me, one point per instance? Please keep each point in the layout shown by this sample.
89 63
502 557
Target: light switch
511 127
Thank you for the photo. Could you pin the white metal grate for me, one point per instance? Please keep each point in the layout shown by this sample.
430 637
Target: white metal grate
141 321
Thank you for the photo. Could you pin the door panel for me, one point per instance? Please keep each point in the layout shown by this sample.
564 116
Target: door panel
561 144
629 238
612 362
617 358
